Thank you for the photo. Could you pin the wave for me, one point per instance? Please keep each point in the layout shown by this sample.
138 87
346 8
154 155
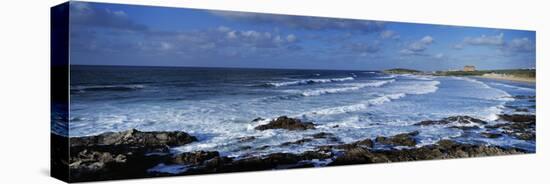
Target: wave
416 89
353 87
513 87
357 107
307 81
128 87
502 96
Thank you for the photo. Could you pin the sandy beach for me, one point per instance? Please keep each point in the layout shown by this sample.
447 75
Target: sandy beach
508 77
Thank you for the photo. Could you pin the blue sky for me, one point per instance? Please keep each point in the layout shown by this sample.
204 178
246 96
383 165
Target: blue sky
114 34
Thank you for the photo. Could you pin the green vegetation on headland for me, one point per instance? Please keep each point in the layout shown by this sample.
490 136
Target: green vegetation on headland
522 73
402 71
525 75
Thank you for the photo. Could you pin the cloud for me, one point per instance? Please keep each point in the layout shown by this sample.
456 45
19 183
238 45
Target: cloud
419 46
520 45
389 34
84 14
304 22
363 48
496 40
252 38
458 46
439 56
515 45
204 42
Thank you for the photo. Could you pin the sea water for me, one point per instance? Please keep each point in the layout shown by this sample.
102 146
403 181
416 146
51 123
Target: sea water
217 105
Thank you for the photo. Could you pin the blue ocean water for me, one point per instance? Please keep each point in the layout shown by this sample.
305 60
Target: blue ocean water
218 105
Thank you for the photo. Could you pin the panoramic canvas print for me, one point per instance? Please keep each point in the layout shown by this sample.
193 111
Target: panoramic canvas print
143 91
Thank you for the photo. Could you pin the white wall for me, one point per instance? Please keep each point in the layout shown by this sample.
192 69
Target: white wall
24 70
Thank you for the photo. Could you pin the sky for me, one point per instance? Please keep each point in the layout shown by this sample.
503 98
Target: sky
115 34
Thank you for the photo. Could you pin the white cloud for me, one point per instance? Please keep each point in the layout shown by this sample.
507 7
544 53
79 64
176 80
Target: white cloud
231 34
439 56
418 46
458 46
427 40
521 45
291 38
389 34
496 40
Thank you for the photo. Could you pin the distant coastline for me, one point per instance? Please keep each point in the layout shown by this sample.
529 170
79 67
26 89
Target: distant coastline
508 77
517 75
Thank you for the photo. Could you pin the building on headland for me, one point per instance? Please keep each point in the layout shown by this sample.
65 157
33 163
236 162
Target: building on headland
469 68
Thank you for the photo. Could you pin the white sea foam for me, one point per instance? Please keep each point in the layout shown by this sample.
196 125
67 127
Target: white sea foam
499 94
513 87
356 107
309 81
418 88
352 87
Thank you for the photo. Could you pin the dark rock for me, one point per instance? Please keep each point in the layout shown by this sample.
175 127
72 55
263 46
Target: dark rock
452 119
194 158
365 143
491 135
322 135
246 139
358 155
301 141
519 126
335 126
244 148
524 97
522 110
134 138
263 147
517 117
405 139
284 122
258 119
122 154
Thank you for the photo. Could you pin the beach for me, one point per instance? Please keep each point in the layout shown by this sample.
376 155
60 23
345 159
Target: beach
508 77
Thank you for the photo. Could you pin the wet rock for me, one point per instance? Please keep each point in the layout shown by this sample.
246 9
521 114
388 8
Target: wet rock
258 119
134 137
194 158
298 142
244 148
284 122
491 135
452 119
405 139
524 97
319 154
365 143
517 117
325 135
118 155
522 110
520 126
359 155
322 135
246 139
263 147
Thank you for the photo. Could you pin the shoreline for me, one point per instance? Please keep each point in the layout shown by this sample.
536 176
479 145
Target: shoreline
137 154
508 78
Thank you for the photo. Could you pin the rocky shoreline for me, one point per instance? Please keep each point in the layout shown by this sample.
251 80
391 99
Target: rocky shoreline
137 154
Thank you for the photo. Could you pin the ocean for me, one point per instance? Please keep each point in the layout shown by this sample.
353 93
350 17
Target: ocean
217 105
